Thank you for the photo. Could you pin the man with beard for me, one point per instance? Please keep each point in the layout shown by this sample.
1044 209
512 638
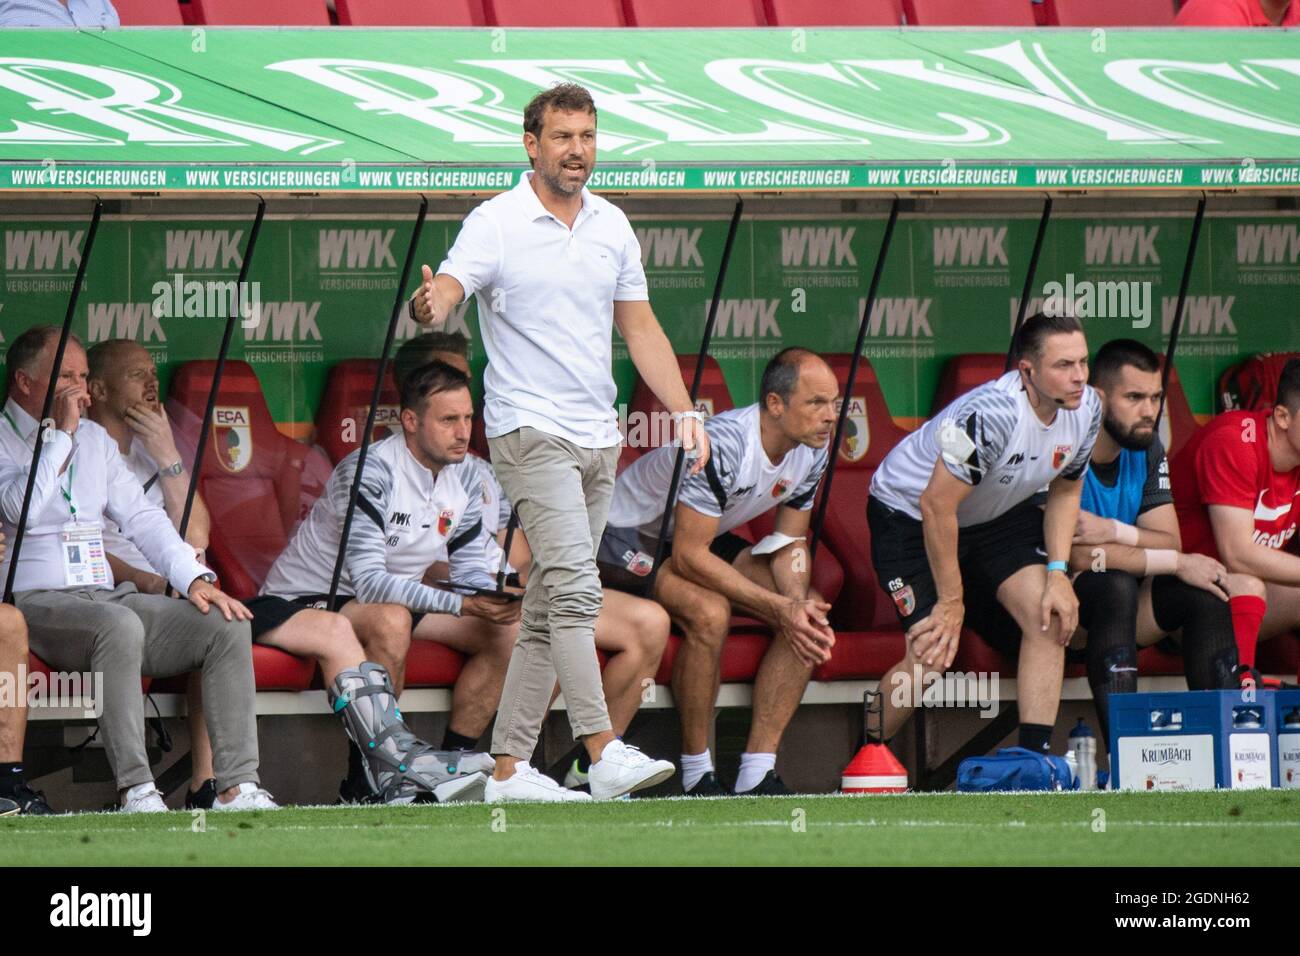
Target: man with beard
1134 583
555 268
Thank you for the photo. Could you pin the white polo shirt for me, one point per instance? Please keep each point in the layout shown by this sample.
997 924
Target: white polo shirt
98 484
145 470
546 299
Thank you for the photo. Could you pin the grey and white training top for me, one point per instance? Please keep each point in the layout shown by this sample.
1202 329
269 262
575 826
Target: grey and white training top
404 517
992 439
738 484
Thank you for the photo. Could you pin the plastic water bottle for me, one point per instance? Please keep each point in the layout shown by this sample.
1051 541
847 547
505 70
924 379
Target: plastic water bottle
1084 747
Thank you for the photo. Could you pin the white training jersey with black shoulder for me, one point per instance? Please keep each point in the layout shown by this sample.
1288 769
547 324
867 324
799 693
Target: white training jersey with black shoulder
739 482
404 518
992 439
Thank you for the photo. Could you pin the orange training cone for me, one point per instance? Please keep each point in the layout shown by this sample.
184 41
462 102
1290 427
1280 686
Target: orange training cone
874 768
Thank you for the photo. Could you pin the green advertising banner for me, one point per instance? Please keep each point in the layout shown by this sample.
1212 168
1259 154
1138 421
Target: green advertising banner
210 110
323 288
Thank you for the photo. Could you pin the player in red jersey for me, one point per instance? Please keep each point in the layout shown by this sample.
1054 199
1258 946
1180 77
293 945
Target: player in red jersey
1237 493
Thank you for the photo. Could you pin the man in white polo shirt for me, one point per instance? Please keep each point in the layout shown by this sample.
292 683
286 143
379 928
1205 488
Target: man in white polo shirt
79 618
554 267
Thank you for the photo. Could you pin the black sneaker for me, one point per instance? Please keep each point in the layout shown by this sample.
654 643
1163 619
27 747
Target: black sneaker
202 798
770 786
708 786
354 791
26 801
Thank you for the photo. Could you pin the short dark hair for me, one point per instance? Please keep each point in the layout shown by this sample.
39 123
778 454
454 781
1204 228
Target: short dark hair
430 379
569 97
415 352
27 348
1118 354
1033 334
781 374
102 357
1288 387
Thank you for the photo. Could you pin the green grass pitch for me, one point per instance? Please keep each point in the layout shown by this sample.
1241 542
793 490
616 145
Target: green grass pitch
1068 829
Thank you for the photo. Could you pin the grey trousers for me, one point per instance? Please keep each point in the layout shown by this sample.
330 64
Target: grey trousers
124 635
562 493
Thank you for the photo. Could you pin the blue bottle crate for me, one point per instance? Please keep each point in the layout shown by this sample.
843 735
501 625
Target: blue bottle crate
1193 740
1287 705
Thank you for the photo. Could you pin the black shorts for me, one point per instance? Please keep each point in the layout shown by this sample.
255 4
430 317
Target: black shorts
987 554
269 611
623 566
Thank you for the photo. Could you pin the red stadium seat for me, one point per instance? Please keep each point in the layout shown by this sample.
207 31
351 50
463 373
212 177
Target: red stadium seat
540 13
430 664
1177 424
870 434
410 13
961 373
148 13
1108 13
741 655
1252 383
862 655
252 474
969 13
646 429
348 391
273 669
834 13
691 13
281 13
1280 656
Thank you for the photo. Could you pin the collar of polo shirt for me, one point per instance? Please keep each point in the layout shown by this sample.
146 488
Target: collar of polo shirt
536 210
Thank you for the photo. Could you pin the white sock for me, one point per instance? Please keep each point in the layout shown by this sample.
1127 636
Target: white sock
753 768
695 766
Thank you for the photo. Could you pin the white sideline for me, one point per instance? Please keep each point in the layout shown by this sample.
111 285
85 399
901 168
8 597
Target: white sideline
437 700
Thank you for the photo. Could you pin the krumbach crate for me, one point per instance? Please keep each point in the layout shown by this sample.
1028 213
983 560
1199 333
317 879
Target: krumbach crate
1287 704
1196 740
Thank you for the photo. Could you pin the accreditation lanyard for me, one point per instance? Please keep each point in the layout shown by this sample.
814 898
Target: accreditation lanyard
65 490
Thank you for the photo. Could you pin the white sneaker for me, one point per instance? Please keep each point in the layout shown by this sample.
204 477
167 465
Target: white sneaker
249 797
622 769
143 798
529 786
471 761
466 788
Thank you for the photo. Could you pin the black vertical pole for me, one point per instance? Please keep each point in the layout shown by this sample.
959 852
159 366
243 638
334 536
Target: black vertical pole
393 318
695 391
64 333
833 451
210 410
1182 301
1029 280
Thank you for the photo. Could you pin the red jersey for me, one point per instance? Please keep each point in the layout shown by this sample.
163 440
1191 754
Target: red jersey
1222 465
1232 13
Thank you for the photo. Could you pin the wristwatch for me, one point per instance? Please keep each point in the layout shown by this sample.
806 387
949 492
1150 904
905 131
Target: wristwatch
209 577
172 470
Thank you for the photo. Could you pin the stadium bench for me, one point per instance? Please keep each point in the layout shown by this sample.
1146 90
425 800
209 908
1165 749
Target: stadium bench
410 13
969 13
691 13
541 13
148 13
834 13
1251 384
961 373
287 13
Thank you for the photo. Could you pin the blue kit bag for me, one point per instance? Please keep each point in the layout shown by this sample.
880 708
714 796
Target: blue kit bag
1014 768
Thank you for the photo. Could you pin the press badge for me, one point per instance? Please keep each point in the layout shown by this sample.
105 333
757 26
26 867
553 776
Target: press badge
84 561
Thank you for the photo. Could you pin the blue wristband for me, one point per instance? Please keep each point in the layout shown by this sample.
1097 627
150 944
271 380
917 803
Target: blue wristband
1058 566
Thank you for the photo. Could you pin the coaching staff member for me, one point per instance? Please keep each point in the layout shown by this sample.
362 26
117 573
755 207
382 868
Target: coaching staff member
554 267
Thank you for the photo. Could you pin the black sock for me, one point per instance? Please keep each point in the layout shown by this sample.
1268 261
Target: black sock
356 762
584 760
11 777
1036 737
454 741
